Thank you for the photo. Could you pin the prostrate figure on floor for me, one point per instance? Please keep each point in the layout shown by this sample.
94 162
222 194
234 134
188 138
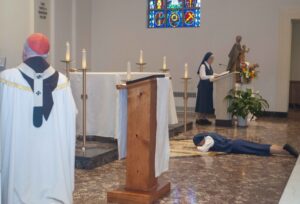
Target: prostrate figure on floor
37 130
215 142
204 103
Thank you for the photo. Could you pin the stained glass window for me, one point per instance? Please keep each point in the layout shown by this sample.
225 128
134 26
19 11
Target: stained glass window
174 13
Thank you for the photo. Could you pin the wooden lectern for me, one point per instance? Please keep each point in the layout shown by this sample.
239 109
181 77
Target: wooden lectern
141 184
222 86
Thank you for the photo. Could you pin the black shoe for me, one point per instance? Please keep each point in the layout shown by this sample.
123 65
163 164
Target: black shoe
291 150
203 122
207 122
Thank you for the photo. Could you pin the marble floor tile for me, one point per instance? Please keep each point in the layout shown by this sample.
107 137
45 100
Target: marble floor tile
211 179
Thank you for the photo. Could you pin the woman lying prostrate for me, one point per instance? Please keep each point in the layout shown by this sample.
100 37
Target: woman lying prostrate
215 142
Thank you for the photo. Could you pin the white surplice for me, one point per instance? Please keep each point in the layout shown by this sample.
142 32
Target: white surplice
37 163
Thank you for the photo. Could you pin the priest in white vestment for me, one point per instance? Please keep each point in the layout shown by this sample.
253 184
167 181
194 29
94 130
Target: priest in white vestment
37 130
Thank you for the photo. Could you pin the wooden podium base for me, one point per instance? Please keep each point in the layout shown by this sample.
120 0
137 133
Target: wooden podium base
123 196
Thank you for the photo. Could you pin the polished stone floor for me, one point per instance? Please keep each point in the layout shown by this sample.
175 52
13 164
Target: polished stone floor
211 178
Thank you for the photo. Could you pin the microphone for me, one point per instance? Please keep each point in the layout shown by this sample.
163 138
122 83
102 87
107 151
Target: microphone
224 65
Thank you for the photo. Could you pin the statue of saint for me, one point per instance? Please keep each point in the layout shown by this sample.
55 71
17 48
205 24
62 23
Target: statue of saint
234 55
245 50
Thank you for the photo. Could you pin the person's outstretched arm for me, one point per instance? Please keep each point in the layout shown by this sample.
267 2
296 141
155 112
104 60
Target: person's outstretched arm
208 143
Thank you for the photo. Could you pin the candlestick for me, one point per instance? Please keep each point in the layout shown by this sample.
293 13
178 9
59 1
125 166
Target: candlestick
128 71
141 66
67 60
84 98
141 57
68 64
186 71
165 62
84 64
185 100
164 68
68 52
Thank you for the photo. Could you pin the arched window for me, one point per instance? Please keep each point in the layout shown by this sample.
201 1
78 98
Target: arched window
174 13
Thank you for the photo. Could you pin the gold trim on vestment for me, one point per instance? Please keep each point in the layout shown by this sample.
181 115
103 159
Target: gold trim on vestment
26 88
62 86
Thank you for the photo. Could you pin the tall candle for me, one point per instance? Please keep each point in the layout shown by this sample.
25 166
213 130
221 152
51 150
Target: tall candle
186 71
128 70
165 63
84 65
141 57
68 52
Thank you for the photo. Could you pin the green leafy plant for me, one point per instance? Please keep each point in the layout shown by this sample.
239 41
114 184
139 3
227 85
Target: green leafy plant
241 103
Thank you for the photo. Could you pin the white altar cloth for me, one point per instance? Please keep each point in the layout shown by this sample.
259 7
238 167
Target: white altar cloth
107 110
105 103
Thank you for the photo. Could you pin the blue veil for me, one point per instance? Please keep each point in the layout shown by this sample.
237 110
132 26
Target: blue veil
205 58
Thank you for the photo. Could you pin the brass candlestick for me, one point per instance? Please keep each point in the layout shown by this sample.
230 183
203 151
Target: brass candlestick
141 66
164 70
84 98
185 100
68 65
124 81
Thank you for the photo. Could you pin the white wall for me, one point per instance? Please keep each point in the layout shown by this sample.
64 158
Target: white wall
18 19
70 20
16 23
61 31
119 32
295 58
82 31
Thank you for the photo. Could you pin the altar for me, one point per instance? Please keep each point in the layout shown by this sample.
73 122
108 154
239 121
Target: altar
107 106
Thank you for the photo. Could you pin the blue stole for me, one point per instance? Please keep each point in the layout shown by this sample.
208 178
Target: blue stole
39 67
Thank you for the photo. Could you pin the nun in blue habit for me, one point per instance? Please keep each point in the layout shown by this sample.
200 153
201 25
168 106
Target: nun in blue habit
211 141
204 103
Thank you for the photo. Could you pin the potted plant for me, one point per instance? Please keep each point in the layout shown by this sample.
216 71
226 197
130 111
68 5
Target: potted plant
242 103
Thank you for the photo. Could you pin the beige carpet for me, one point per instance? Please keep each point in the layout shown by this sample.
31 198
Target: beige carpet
186 148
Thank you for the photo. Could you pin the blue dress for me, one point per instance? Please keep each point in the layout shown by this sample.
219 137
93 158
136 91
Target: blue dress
204 103
222 144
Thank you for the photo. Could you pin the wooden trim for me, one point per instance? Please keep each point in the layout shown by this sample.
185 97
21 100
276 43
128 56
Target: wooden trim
275 114
224 123
294 93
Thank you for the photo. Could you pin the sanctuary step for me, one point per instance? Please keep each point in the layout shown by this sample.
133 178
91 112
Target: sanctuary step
102 150
99 151
174 130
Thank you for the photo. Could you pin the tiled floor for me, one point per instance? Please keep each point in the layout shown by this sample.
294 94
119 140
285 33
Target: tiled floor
213 179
